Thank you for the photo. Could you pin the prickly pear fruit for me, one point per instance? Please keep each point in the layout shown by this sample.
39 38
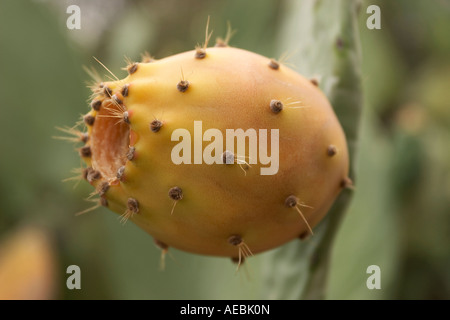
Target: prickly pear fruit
227 208
28 265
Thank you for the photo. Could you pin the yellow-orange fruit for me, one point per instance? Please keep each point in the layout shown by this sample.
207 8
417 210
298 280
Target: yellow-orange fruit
222 209
28 266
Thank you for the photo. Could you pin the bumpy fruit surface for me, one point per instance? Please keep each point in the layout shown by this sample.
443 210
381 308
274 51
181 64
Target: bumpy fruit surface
214 209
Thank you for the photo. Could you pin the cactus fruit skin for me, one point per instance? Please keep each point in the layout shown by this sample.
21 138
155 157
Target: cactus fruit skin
204 208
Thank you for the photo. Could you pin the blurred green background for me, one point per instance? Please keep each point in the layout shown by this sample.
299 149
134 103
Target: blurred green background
400 215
